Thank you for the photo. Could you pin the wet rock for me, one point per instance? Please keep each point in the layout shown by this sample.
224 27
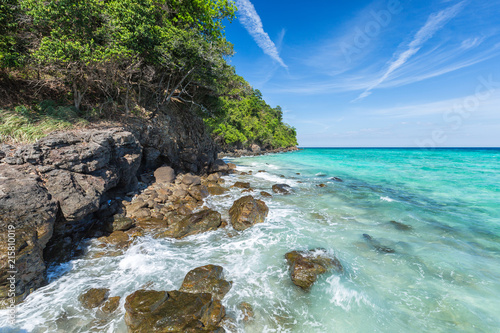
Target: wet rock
219 166
282 188
321 185
337 179
110 305
401 226
241 185
175 311
261 171
266 195
305 266
247 311
246 212
93 298
118 239
28 207
206 279
199 192
120 223
377 245
231 166
191 180
216 190
248 190
203 221
164 175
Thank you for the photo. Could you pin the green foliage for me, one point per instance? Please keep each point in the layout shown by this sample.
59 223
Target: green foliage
130 53
28 124
244 118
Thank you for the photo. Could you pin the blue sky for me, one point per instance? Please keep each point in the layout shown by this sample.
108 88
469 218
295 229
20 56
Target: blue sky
376 73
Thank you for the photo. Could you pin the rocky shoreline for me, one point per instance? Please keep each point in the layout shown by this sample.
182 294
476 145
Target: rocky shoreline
106 184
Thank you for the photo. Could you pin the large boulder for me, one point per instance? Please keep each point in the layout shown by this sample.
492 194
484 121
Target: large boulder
174 311
246 212
305 266
164 174
202 221
27 214
207 279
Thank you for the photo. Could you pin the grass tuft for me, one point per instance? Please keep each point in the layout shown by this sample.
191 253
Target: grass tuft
25 124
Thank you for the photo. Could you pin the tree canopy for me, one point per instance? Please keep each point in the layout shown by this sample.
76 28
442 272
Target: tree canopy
139 52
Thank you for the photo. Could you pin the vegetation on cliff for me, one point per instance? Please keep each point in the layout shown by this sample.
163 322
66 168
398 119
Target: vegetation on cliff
132 57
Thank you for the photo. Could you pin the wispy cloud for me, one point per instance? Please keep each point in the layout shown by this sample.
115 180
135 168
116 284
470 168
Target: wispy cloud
434 23
252 22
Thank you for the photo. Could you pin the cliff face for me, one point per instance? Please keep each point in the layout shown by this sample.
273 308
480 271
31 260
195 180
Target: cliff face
52 191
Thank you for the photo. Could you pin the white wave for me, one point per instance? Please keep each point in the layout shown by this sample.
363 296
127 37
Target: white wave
387 199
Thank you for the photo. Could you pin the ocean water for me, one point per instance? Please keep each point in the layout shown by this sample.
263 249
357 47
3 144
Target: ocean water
444 274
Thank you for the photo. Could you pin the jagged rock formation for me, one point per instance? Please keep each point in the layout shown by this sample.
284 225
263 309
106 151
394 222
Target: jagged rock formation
52 191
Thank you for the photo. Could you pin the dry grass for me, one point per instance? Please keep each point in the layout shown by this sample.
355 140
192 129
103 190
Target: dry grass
27 124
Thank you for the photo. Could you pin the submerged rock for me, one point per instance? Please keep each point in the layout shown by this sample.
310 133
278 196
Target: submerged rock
337 179
246 212
207 279
94 297
401 226
321 185
377 245
305 266
110 305
241 185
174 311
266 195
282 188
247 311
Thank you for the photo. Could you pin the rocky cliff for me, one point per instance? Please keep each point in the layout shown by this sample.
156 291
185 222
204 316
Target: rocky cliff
52 191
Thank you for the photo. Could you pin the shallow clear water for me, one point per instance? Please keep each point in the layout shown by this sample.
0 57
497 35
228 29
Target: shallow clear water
443 277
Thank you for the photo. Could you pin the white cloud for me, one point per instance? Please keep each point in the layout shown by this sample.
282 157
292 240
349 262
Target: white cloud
434 23
252 22
471 42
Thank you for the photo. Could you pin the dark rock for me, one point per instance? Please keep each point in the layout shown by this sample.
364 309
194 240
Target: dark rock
164 175
305 266
94 297
321 185
266 195
282 188
219 166
175 311
241 185
27 207
246 212
377 245
337 179
261 171
401 226
206 279
151 158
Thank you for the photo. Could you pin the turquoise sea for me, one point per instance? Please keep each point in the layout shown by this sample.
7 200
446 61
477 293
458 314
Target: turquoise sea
444 274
